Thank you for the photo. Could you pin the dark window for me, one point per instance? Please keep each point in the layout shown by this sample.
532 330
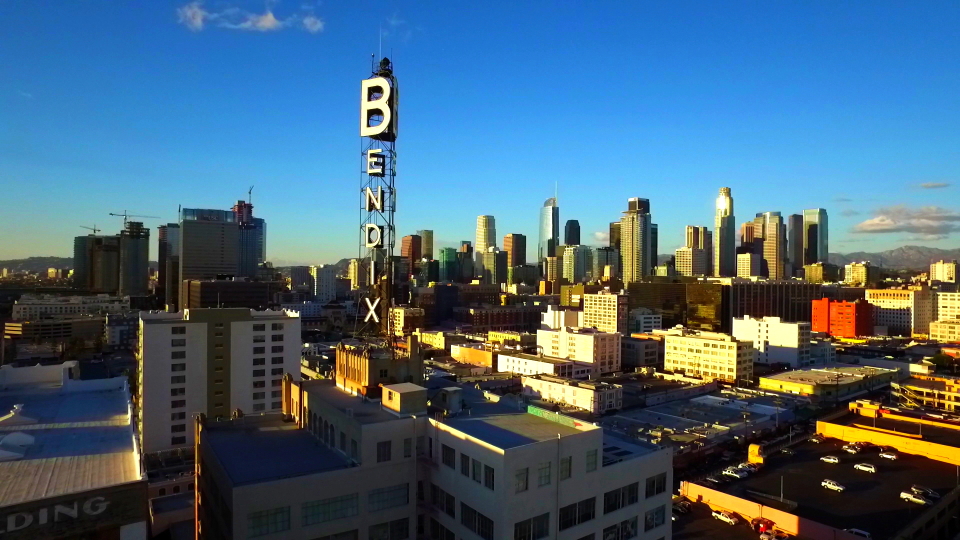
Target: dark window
654 518
178 343
177 403
259 384
259 350
591 460
268 522
449 456
178 391
543 474
276 382
178 379
577 513
656 484
279 405
488 476
276 348
276 371
443 501
259 372
388 497
477 471
476 522
383 374
178 428
259 339
439 532
622 531
178 355
533 528
276 360
276 393
178 367
178 440
407 447
258 395
383 451
618 498
276 337
276 326
330 509
178 416
178 330
392 530
464 464
259 361
522 479
259 327
565 465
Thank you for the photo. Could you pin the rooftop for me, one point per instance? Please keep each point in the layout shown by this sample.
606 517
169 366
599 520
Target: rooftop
835 374
535 357
82 440
256 449
363 410
594 385
933 434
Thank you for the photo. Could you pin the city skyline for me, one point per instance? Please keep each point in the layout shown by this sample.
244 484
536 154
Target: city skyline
866 140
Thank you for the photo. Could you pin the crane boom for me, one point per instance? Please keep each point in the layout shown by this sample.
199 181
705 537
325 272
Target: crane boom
127 216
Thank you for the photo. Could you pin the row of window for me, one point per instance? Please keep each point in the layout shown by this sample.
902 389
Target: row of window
263 339
277 520
274 360
263 350
263 372
522 477
476 522
472 468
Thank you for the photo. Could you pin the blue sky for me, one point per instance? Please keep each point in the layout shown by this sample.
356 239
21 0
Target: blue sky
144 106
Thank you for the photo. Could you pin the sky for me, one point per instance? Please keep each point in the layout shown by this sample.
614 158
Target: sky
108 106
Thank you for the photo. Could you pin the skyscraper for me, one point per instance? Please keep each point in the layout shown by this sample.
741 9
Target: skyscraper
571 233
701 238
614 242
795 241
426 236
724 236
771 233
252 239
134 267
516 247
209 244
549 229
577 261
815 236
603 257
96 263
494 266
636 240
449 269
486 238
411 248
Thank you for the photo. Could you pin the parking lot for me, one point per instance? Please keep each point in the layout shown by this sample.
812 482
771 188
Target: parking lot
871 501
700 525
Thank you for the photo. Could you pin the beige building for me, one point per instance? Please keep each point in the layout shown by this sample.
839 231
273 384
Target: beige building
749 265
861 274
594 397
830 383
948 306
438 339
404 320
508 337
691 261
945 331
211 361
945 271
357 273
905 312
708 355
532 364
33 306
600 349
606 311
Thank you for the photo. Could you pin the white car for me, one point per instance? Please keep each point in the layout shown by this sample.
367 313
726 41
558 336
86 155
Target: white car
830 459
914 498
736 473
888 455
858 532
725 517
850 449
865 467
835 486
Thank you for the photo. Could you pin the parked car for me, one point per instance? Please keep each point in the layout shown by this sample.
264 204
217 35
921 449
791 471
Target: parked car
725 517
683 507
734 472
830 459
715 480
924 491
865 467
749 467
910 496
889 455
817 439
774 535
787 451
851 449
858 532
833 485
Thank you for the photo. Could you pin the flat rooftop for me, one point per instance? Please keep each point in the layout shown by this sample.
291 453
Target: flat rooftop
938 435
82 441
363 410
871 502
535 357
699 524
256 449
842 374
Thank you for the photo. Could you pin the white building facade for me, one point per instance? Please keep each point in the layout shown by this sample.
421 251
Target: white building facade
710 355
945 271
776 341
948 306
601 349
904 312
596 398
605 311
529 364
644 321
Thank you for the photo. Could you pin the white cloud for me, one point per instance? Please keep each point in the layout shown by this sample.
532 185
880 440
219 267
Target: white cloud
195 17
313 24
266 22
192 16
927 221
602 237
935 185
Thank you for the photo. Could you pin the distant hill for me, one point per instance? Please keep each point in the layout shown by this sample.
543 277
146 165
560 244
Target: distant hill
901 258
37 264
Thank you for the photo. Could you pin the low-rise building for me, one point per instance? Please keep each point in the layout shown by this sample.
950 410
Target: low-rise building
555 318
404 320
842 319
484 319
905 312
532 364
583 344
438 339
121 331
644 320
821 272
594 397
516 339
776 342
709 355
822 352
606 312
945 331
861 274
478 354
637 353
35 306
61 328
930 391
831 382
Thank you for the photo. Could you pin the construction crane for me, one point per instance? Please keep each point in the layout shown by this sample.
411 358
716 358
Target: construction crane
127 216
94 228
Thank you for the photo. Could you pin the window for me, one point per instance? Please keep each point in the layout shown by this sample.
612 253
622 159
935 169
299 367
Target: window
407 447
488 476
654 518
259 407
178 416
343 441
218 325
591 537
465 465
330 509
259 339
383 451
353 449
259 372
591 460
178 440
177 403
276 371
392 530
178 391
522 482
543 474
259 361
621 531
178 330
178 343
383 374
346 535
477 471
439 532
276 360
565 466
259 350
275 393
259 327
276 348
443 501
279 405
259 384
533 528
276 337
276 382
449 456
258 395
476 522
178 367
276 326
618 498
178 379
178 428
178 355
577 513
656 484
388 497
218 334
268 521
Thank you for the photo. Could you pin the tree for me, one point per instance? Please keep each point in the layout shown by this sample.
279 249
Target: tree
943 361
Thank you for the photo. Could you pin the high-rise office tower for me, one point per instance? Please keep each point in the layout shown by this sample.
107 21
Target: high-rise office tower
605 262
690 261
614 242
358 274
746 237
701 238
577 261
486 238
96 262
795 241
724 236
516 247
636 241
571 233
771 233
466 261
549 229
172 265
815 236
134 267
324 279
494 266
411 248
654 246
209 244
252 236
449 269
162 256
426 236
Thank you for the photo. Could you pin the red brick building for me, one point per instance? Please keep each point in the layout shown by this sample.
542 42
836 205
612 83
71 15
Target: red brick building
842 319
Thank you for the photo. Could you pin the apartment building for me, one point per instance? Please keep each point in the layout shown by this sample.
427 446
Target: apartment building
945 271
533 364
709 355
558 317
842 319
644 320
35 306
588 345
605 311
948 306
210 361
593 397
776 342
905 312
945 331
636 352
462 466
404 320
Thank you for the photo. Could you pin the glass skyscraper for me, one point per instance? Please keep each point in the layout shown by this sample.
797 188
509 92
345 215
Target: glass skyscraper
549 229
815 245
